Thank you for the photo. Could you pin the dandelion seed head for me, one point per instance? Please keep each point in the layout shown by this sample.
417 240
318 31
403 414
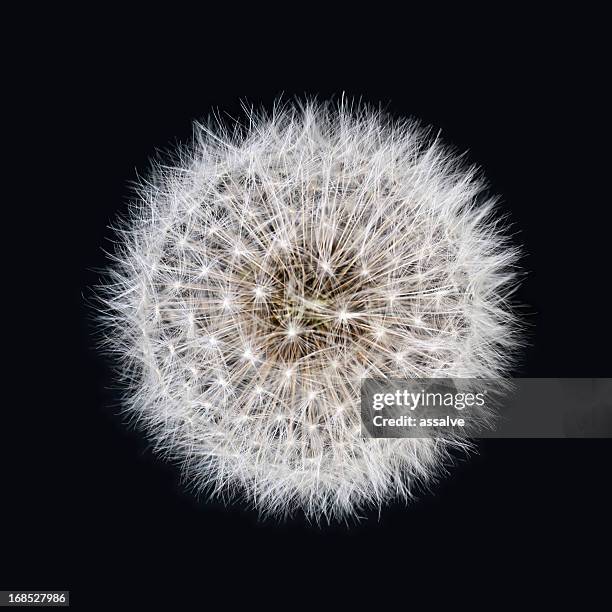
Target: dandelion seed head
313 248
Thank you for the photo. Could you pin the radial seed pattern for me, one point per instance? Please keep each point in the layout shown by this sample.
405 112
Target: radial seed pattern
268 271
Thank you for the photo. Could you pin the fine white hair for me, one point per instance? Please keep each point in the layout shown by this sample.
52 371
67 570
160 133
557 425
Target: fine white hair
270 267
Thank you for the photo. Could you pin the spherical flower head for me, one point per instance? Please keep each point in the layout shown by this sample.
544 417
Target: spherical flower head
268 270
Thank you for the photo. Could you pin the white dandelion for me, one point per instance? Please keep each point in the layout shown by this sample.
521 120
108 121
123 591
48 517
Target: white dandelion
268 270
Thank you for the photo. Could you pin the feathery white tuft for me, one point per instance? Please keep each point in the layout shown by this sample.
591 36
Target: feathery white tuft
271 268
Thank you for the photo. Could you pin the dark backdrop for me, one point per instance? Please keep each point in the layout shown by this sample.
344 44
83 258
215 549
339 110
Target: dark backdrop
88 507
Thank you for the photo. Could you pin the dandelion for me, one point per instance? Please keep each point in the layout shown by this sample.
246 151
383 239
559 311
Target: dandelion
269 269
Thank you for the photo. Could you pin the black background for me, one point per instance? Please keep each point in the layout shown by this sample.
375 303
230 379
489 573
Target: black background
86 506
